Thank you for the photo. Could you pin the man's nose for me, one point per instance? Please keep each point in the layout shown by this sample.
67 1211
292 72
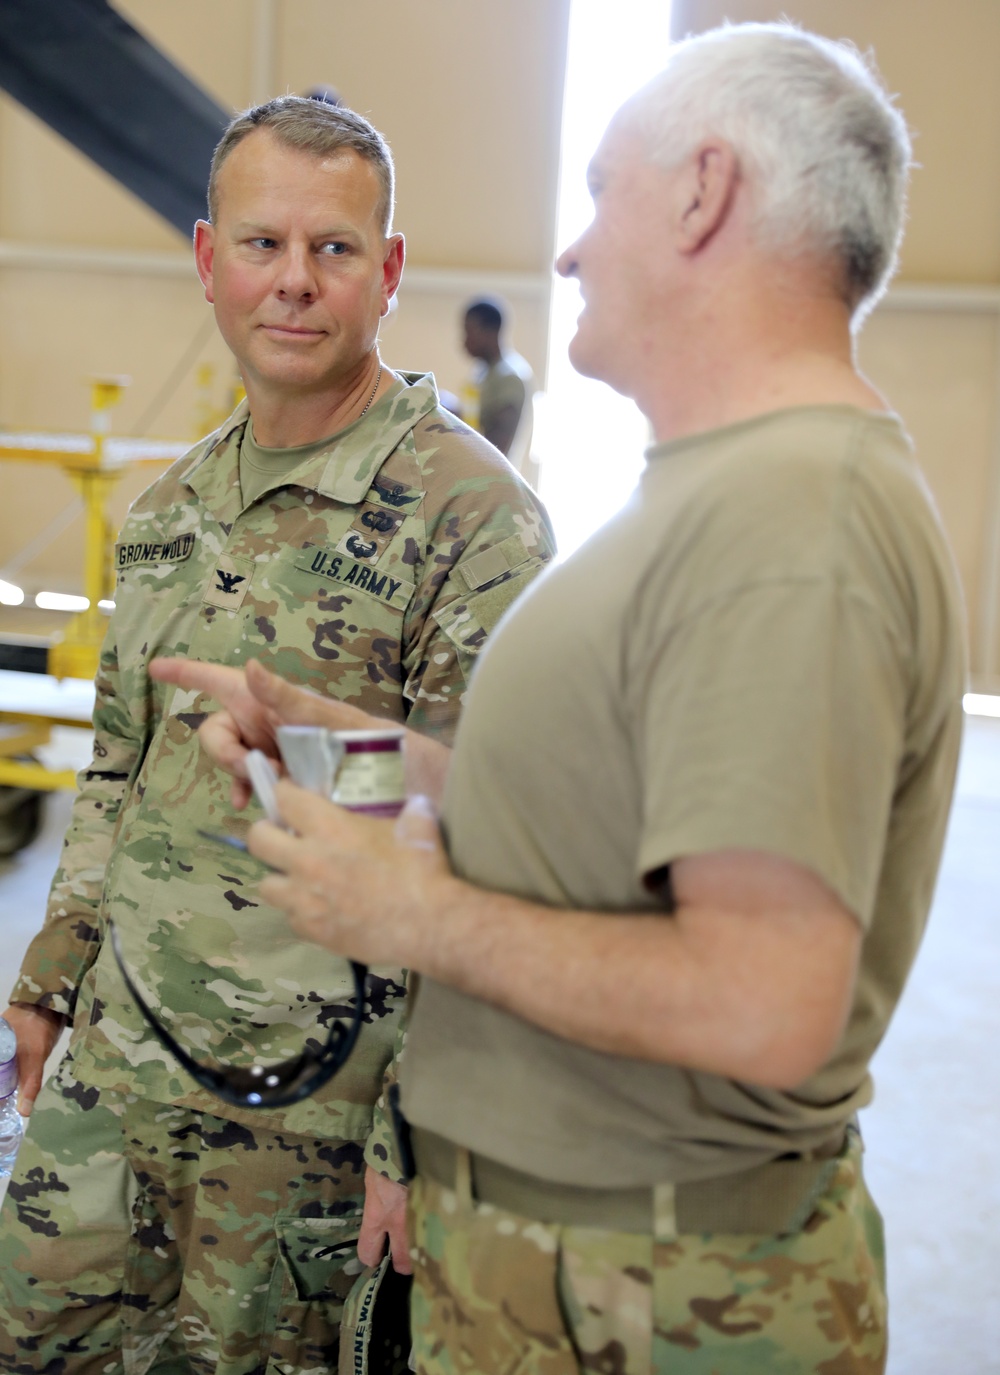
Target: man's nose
296 275
566 263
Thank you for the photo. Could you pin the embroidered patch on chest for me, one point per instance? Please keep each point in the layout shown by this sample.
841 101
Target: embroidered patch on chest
395 495
229 582
129 553
371 532
356 577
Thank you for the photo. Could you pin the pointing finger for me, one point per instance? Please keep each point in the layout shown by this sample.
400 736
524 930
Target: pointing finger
218 680
297 706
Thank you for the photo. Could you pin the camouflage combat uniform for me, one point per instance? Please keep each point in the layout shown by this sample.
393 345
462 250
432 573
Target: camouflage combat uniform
373 574
559 1299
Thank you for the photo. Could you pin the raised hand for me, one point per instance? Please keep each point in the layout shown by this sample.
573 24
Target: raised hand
254 702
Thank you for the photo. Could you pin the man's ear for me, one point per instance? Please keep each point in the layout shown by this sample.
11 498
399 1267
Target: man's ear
392 269
708 191
204 255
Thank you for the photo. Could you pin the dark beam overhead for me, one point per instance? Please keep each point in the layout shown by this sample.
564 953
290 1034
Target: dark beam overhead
84 70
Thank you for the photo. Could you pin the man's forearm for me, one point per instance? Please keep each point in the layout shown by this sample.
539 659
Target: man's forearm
750 977
695 988
57 960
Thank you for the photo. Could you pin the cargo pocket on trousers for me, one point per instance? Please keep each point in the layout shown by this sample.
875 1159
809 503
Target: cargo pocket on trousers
152 1283
316 1266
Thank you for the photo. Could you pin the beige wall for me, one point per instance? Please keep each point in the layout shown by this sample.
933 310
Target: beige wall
939 369
469 96
932 347
939 57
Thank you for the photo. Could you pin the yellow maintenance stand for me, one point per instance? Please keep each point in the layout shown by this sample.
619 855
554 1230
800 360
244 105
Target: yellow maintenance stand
95 462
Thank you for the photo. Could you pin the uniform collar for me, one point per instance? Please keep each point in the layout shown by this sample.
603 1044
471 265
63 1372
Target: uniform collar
344 470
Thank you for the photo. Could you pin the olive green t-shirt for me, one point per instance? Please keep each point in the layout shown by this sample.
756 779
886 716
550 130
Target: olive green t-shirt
508 383
262 468
763 650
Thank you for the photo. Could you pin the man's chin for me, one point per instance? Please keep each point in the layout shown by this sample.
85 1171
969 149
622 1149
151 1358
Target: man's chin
280 368
589 363
582 358
586 359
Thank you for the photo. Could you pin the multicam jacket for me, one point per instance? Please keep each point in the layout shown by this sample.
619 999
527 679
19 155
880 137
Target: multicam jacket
373 573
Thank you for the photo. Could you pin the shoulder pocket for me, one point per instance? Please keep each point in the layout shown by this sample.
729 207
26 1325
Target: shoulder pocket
493 564
467 621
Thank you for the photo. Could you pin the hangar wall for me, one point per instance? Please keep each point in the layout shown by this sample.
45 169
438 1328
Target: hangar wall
469 95
92 282
933 347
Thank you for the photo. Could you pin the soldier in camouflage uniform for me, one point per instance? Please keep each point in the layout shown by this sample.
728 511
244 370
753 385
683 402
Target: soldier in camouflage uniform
345 530
699 794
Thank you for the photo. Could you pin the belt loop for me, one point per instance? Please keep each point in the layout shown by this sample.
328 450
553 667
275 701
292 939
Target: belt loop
463 1177
664 1212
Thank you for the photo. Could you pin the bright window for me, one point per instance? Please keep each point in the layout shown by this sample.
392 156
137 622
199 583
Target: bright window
590 440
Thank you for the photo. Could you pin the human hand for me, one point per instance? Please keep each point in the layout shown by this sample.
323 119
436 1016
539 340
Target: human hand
37 1030
363 888
383 1222
254 703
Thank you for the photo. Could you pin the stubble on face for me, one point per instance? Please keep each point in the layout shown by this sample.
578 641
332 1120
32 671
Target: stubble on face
297 268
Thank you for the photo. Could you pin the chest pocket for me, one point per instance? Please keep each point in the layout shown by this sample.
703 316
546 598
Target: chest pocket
330 607
159 578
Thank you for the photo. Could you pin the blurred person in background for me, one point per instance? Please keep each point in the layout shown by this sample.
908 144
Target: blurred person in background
500 398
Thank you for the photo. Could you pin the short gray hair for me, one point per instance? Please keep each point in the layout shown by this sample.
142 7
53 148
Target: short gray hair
312 126
826 151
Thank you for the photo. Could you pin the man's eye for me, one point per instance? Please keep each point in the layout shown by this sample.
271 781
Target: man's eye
262 243
334 249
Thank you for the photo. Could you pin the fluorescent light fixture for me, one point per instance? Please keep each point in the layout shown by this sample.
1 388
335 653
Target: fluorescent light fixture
981 704
60 601
10 594
107 607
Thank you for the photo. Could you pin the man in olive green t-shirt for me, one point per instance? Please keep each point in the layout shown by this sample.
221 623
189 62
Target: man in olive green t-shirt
698 798
505 384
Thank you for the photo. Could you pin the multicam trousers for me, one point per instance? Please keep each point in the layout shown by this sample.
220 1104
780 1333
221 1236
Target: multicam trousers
140 1237
495 1292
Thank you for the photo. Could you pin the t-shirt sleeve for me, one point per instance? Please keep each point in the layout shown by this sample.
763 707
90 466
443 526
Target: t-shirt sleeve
509 390
772 720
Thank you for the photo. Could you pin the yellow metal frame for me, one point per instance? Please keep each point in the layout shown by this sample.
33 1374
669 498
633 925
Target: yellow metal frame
22 732
76 652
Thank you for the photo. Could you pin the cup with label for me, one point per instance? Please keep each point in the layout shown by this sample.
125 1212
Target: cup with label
358 769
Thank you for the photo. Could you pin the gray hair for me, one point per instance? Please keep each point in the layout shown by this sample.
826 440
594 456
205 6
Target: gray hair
312 126
825 150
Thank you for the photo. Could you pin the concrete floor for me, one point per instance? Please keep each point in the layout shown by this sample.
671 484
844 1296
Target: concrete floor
933 1132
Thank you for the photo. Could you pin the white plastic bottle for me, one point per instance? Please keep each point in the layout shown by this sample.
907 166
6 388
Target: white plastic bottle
11 1121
